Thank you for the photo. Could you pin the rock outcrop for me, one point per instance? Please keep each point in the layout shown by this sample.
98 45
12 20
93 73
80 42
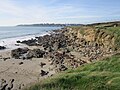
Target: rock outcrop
2 47
17 53
71 46
6 85
25 53
35 53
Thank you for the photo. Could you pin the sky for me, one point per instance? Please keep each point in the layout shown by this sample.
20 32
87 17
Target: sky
14 12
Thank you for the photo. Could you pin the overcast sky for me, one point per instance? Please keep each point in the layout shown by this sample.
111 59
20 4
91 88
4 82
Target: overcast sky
13 12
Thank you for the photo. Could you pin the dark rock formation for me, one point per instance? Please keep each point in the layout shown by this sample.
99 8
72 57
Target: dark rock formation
6 58
42 64
18 52
18 42
25 53
2 47
43 73
61 68
36 53
20 63
31 42
4 85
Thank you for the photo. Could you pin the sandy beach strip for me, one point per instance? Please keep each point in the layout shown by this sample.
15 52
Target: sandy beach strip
23 74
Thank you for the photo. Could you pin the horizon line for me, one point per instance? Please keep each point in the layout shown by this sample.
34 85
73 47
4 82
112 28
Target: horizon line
59 23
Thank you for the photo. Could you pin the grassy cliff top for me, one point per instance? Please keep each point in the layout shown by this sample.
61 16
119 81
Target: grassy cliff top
110 28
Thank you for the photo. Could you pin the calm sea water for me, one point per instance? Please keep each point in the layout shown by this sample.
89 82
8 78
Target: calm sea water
10 32
9 35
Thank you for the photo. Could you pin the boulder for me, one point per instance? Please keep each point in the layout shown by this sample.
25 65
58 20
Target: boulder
56 46
43 73
2 47
61 68
20 63
29 55
57 58
16 53
4 85
18 41
10 85
42 64
36 53
6 58
31 42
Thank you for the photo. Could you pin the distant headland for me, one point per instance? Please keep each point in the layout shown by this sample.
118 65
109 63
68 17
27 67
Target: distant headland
49 25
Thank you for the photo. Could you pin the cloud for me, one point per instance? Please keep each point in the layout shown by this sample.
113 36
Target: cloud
33 14
79 17
12 12
8 7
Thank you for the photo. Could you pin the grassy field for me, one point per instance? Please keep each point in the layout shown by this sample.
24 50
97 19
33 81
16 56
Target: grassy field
101 75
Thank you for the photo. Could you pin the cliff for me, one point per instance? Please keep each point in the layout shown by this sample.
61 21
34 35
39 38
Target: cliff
107 38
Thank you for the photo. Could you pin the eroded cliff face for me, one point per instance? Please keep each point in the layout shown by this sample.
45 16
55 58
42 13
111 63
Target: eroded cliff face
91 36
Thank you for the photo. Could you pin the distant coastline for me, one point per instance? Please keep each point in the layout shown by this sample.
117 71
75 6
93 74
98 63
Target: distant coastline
64 25
48 25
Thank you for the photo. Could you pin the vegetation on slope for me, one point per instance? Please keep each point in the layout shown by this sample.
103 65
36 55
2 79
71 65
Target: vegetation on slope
115 31
102 75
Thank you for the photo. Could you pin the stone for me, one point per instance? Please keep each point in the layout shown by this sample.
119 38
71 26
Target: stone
60 68
42 64
20 63
31 42
43 73
18 42
3 84
10 85
2 47
36 53
6 58
16 53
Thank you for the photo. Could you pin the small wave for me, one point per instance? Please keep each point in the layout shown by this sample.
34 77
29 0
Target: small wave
9 43
22 35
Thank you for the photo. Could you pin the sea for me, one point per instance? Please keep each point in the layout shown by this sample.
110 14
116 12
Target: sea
9 35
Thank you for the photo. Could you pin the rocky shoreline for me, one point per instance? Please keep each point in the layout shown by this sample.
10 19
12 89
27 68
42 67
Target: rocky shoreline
67 48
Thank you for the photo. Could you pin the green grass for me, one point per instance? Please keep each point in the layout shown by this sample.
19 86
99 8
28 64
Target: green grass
113 32
102 75
116 32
